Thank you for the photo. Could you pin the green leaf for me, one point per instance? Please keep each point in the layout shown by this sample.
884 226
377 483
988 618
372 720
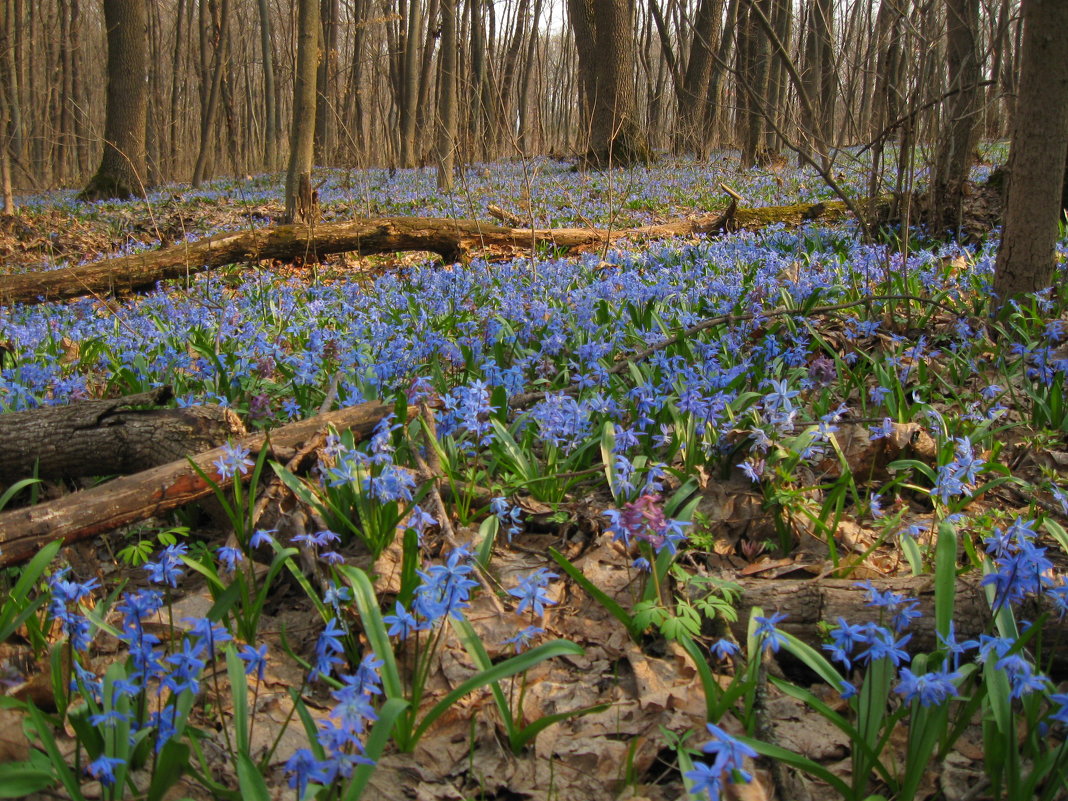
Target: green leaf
253 787
59 764
235 669
945 577
173 761
502 670
375 628
376 743
617 611
532 730
19 779
488 532
813 769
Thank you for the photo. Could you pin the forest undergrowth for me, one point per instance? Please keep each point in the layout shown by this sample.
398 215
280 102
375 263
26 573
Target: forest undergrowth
546 574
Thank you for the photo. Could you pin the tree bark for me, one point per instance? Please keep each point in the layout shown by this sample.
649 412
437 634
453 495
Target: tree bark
809 603
446 127
451 238
1037 158
299 200
960 129
153 492
105 437
271 125
122 167
604 35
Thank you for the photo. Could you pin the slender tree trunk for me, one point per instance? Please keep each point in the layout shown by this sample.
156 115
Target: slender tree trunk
409 83
446 129
299 199
1037 158
217 24
325 140
122 167
271 124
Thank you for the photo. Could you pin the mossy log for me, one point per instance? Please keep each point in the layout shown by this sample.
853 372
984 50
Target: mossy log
452 239
153 492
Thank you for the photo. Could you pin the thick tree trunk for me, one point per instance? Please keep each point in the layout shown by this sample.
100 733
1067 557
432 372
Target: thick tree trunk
604 35
154 492
451 238
1037 158
299 201
107 437
122 168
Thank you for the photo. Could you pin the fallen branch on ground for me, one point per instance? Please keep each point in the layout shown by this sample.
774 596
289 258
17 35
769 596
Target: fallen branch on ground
150 493
108 437
452 239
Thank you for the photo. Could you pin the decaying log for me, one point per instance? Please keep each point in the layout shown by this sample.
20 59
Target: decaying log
108 437
152 492
810 602
451 238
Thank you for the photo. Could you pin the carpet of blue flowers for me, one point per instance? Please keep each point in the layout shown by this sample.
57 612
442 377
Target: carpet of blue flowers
527 581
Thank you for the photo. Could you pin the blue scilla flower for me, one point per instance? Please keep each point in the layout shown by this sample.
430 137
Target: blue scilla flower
167 568
767 632
722 648
66 595
255 660
303 768
728 753
233 461
103 769
531 593
522 639
930 689
401 623
327 649
1021 674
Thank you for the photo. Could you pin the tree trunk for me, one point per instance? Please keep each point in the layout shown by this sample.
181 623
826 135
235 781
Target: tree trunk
107 437
604 35
122 167
214 28
271 124
153 492
1037 158
325 139
960 129
408 99
446 128
299 200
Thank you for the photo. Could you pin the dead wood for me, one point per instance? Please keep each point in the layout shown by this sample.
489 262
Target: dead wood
108 437
153 492
452 239
810 602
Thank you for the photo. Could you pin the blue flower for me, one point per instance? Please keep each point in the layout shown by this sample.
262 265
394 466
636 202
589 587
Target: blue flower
233 460
229 557
766 632
524 638
401 623
255 659
722 648
728 753
929 689
303 768
531 592
103 769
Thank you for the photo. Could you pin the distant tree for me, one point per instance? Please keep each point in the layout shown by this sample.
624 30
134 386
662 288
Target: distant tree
122 167
604 36
961 126
446 139
299 200
1037 156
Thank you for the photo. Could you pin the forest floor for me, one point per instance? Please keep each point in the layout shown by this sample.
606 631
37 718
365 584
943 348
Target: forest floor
635 462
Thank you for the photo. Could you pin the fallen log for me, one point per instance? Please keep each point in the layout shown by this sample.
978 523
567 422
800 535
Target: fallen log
152 492
808 603
451 238
108 437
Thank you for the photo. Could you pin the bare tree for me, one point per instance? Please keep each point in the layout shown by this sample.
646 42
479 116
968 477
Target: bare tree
1037 158
122 167
299 199
446 140
604 35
